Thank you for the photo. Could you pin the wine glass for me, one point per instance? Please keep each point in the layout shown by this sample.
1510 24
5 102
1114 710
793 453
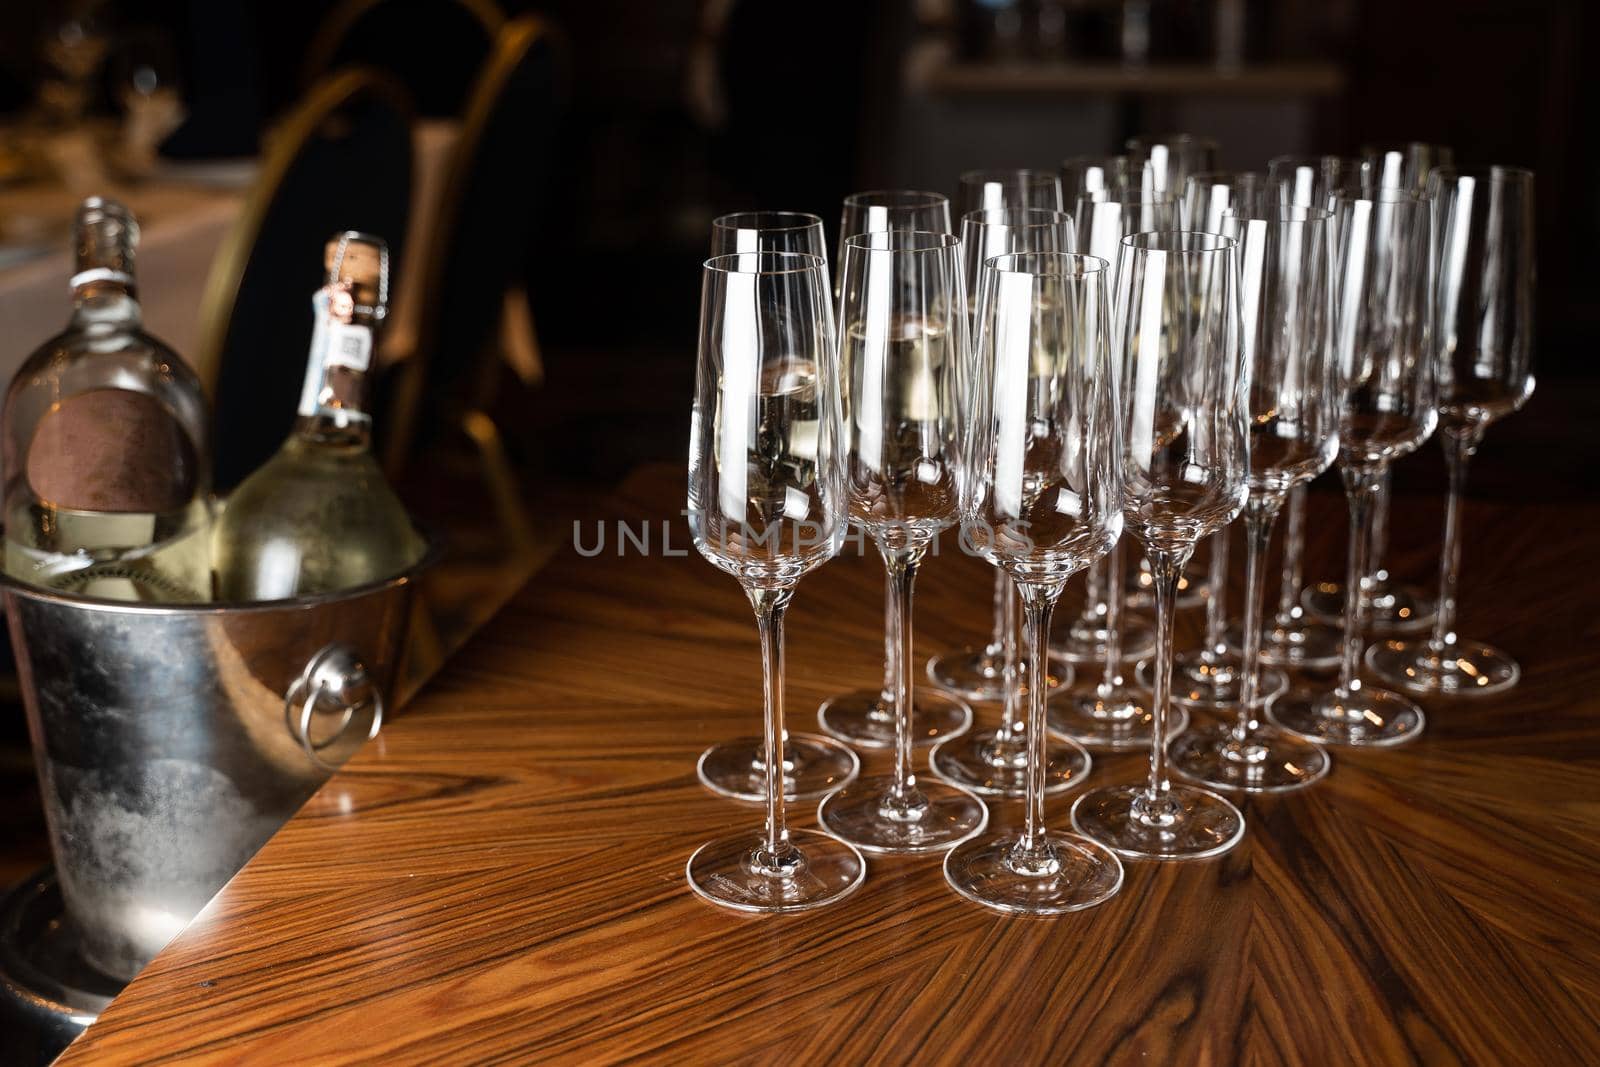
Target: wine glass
1484 309
979 674
1040 499
989 189
813 766
1107 175
1392 607
1382 341
1292 638
1185 452
903 364
1210 676
995 762
1108 712
1160 164
1286 301
767 504
865 717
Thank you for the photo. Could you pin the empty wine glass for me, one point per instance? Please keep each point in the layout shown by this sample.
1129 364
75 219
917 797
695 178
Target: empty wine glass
1040 499
1185 468
813 766
903 363
1286 302
866 717
1107 175
990 189
1383 343
1484 310
1392 607
973 673
1210 676
1160 164
995 762
767 504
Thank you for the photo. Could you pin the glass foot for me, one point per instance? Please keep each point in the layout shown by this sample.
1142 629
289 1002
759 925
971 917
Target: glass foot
1199 682
813 767
934 816
1085 642
1069 873
977 762
1302 645
963 673
1393 608
1374 717
1465 668
861 717
1186 824
1270 761
736 872
1119 719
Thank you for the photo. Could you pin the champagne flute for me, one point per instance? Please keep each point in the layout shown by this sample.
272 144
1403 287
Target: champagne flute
1286 301
1484 309
1186 462
1040 499
995 762
1383 342
1022 187
767 504
1160 164
865 717
1293 639
1210 676
1392 607
980 674
903 367
813 766
1110 713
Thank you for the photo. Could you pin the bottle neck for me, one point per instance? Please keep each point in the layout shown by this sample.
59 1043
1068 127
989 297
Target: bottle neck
104 297
333 402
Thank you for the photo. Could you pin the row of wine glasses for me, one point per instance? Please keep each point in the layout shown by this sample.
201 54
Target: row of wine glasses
1240 360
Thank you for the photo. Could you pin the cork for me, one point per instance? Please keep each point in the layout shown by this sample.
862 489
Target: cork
362 266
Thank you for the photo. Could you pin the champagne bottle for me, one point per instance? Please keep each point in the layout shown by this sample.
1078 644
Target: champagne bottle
106 443
319 516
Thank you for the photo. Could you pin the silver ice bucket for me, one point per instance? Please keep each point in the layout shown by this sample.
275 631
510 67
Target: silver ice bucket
173 740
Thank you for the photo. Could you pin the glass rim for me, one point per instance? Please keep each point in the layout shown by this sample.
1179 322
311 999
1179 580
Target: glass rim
1138 200
921 241
804 220
895 198
1087 266
1388 194
1091 160
1491 172
1035 216
1217 242
1231 175
1290 213
782 263
1030 174
1149 140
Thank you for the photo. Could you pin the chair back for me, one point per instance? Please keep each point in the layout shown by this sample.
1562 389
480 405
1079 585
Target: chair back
340 161
435 47
493 195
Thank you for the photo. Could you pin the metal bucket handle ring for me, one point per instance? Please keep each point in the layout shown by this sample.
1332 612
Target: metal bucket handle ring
334 672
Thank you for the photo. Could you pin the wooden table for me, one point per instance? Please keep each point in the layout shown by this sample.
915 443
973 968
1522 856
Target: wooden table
499 877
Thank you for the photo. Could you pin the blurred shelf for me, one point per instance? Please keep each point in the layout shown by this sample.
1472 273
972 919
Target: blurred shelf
1279 79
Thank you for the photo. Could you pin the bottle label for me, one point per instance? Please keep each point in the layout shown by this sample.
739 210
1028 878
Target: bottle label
349 346
336 344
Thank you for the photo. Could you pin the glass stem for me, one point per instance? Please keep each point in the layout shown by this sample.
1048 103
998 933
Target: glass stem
1379 534
1294 547
1363 485
902 564
1095 601
1002 609
1260 512
1458 450
1113 659
1012 725
1166 568
1038 600
890 641
770 605
1217 604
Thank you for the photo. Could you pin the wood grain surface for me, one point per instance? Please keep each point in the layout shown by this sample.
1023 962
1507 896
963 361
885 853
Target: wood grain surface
499 877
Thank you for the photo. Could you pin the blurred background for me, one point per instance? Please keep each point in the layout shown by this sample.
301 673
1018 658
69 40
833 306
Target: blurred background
546 175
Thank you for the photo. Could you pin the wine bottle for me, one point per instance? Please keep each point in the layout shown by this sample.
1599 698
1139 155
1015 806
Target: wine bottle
319 515
106 443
